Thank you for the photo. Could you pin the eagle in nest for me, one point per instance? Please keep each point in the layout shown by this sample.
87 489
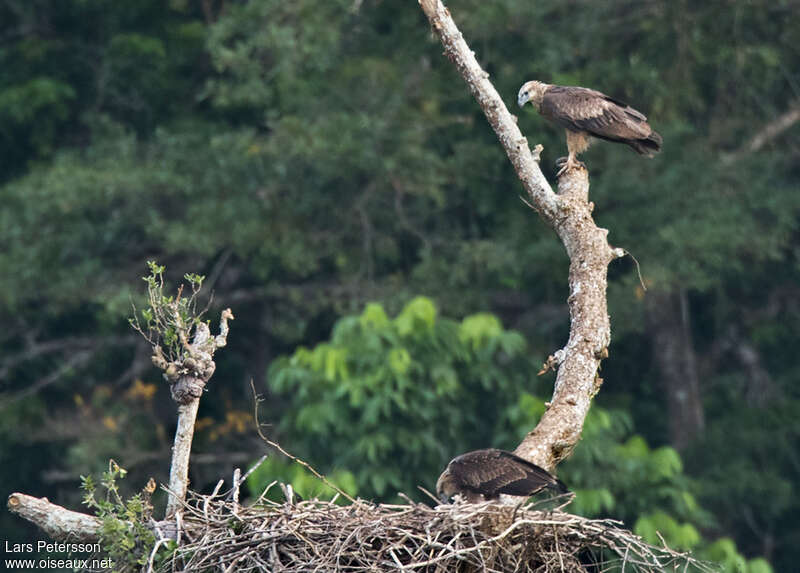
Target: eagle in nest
586 113
485 474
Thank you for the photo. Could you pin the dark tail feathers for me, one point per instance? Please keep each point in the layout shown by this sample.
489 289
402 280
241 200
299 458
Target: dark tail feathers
648 146
558 486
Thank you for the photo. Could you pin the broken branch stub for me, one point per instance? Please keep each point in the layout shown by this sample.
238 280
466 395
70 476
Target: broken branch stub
57 522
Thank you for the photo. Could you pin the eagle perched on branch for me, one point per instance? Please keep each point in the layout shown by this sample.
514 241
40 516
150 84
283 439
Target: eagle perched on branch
485 474
584 113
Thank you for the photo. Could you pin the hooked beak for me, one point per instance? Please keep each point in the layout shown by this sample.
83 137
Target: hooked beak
522 98
444 498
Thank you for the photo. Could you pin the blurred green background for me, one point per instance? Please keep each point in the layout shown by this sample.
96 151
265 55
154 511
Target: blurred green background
324 166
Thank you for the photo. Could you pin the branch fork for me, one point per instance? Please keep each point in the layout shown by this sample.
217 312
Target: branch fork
189 373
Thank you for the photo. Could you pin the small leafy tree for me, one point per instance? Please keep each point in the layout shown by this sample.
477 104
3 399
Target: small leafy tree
169 320
124 534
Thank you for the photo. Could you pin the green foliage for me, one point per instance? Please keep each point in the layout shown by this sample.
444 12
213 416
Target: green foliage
169 320
65 58
405 392
42 99
753 492
657 526
614 469
615 472
724 552
125 534
310 157
378 372
261 61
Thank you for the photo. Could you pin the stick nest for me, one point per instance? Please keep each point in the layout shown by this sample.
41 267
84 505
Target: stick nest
305 536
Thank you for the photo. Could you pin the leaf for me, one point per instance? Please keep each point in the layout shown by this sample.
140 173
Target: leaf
445 379
592 502
666 462
759 565
417 315
478 329
374 316
684 536
399 361
635 448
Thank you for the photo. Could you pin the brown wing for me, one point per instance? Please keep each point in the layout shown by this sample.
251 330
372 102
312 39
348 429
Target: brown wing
585 110
492 472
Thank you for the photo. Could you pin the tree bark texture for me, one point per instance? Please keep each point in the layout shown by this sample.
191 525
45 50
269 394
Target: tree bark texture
181 451
569 213
198 367
57 522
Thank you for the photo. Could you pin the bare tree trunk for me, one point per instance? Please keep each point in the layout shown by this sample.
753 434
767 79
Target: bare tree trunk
673 352
187 390
181 450
577 380
569 213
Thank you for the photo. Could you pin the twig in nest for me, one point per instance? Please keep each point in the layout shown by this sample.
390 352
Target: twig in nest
318 535
303 536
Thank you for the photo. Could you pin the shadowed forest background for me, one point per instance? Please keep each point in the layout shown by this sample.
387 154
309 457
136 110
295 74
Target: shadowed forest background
326 169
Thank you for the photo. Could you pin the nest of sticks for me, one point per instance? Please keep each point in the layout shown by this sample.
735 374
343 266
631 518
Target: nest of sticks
218 534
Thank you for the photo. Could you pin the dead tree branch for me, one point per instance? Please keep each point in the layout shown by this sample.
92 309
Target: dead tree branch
504 124
195 369
57 522
570 214
775 128
766 134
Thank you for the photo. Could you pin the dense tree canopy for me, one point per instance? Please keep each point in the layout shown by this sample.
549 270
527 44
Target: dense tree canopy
322 164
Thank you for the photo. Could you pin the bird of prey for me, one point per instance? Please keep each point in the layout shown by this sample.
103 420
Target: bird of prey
586 113
485 474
